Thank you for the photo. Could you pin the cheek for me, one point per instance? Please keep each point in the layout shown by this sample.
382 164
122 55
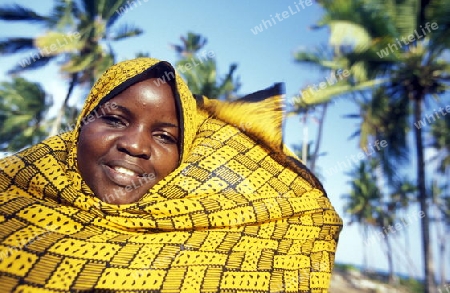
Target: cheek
84 151
169 161
91 145
93 139
85 142
174 163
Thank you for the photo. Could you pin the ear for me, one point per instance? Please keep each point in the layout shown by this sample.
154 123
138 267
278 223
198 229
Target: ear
259 115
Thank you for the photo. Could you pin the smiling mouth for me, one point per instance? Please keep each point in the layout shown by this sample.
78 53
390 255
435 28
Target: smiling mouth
125 171
122 176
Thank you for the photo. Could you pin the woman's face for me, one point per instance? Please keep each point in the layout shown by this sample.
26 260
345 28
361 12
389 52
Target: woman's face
130 143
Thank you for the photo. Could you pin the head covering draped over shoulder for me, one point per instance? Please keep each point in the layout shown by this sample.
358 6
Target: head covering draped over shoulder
239 214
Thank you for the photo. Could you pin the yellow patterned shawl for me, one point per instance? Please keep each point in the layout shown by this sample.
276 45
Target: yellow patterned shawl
239 214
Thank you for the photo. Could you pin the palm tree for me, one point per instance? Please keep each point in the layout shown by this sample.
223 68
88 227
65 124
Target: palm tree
367 206
306 152
316 97
440 131
373 37
300 106
78 33
372 207
363 195
199 68
441 194
439 212
190 44
23 106
383 119
375 113
401 195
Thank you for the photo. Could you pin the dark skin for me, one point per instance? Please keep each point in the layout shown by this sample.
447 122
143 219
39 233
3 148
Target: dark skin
126 151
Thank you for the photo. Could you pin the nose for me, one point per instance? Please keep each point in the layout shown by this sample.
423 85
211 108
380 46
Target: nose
135 143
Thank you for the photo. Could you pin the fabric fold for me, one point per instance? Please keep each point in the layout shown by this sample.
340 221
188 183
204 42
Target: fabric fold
239 214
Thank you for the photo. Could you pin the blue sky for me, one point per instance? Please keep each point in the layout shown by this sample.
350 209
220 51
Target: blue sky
263 59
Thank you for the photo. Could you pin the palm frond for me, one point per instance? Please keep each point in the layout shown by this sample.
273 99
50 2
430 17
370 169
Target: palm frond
228 83
324 95
14 45
320 57
407 16
437 13
114 11
23 105
125 31
62 15
17 12
89 8
79 63
35 61
191 44
348 33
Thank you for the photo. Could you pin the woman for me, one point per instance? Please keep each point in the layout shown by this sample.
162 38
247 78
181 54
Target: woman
160 191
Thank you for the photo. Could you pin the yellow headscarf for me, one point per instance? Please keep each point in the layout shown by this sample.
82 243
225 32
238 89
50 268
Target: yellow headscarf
239 214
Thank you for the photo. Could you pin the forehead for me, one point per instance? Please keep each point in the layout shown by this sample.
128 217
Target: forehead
147 94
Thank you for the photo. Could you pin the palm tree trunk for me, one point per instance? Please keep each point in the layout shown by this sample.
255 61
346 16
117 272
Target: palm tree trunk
443 247
390 261
365 258
305 140
57 124
430 286
315 154
442 250
405 251
441 240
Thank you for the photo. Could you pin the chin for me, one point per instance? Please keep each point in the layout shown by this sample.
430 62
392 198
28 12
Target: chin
121 200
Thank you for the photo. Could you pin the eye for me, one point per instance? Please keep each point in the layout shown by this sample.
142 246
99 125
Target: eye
166 138
114 121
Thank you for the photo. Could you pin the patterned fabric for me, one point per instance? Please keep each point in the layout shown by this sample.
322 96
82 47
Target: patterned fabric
239 214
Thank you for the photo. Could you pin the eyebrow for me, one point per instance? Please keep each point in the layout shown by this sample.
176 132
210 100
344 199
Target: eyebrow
124 109
161 124
167 124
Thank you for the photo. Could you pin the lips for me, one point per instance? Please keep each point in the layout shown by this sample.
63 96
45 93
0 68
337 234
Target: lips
123 173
